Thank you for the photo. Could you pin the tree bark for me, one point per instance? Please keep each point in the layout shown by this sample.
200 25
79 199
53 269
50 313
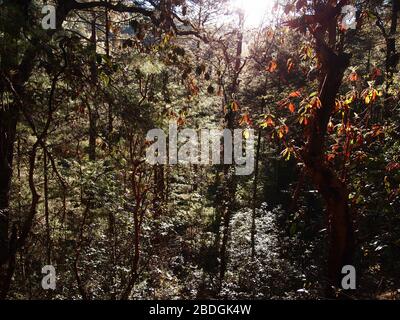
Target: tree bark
46 206
254 200
392 57
92 110
333 190
229 174
8 123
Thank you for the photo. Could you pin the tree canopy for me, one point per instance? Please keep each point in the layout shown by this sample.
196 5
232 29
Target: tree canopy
307 98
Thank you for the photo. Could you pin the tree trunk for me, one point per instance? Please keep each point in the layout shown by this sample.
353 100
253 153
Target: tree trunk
333 190
340 224
229 170
159 190
254 200
92 110
392 57
92 134
8 122
46 207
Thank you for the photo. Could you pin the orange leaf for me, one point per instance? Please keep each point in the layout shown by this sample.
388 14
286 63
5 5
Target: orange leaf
272 65
330 126
245 119
376 73
316 103
268 122
283 129
353 76
291 107
193 87
180 121
235 106
295 94
330 156
289 65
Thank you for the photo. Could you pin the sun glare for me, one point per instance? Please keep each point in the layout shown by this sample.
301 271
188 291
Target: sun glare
256 11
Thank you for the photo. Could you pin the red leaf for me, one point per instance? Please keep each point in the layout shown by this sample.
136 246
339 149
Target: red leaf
393 166
295 94
300 4
245 119
353 76
290 65
272 65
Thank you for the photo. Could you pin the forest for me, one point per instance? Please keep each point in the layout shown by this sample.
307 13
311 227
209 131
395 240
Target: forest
199 149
